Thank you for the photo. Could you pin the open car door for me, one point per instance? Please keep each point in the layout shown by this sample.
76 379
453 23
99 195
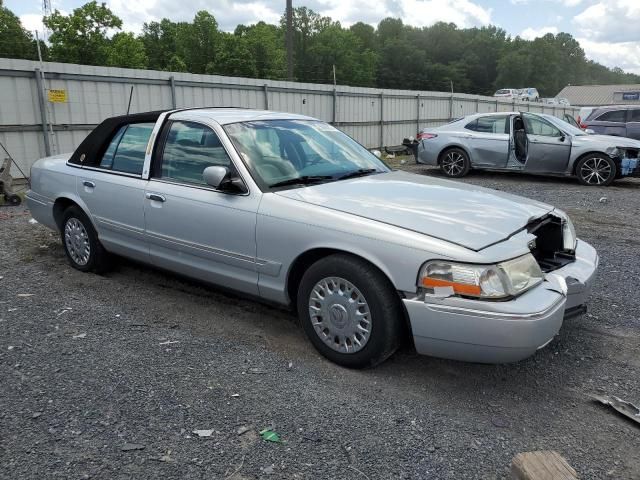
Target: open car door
548 148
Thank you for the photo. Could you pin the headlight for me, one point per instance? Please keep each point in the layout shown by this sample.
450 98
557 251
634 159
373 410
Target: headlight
506 279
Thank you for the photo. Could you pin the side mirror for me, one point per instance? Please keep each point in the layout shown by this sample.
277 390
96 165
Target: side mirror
590 131
220 178
215 176
377 153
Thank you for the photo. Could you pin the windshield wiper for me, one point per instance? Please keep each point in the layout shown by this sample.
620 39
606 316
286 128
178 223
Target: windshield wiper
303 180
361 172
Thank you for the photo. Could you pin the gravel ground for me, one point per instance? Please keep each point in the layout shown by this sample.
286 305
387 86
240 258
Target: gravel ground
108 376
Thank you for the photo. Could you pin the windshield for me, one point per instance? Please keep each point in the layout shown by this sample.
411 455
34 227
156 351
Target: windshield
285 151
566 127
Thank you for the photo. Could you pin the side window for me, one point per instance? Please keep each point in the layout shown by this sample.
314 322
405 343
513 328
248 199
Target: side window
491 124
538 126
635 115
615 116
472 125
126 150
189 149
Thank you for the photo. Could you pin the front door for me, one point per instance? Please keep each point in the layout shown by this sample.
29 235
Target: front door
548 148
191 227
114 192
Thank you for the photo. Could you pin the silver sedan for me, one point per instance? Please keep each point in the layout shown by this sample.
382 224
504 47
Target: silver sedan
530 143
289 209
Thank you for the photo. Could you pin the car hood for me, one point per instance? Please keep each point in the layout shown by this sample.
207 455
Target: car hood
606 140
467 215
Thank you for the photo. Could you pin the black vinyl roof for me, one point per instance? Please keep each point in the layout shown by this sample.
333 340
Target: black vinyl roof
91 149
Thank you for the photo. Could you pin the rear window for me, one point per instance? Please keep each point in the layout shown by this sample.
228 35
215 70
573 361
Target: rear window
616 116
127 148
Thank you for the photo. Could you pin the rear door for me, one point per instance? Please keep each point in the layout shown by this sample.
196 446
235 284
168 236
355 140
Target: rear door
633 126
488 140
191 227
548 147
114 191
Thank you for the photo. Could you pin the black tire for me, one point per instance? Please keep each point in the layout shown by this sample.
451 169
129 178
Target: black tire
384 318
98 260
596 170
454 163
13 199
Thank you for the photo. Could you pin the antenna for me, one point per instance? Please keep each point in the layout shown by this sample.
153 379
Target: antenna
46 12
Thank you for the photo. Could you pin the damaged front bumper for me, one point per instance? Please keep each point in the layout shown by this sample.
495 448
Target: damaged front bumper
500 332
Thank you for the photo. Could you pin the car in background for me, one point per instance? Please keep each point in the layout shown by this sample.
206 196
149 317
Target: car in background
583 114
550 101
616 120
563 101
291 210
530 143
529 95
507 93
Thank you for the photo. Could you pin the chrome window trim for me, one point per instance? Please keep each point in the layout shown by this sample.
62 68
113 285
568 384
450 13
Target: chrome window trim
105 170
198 186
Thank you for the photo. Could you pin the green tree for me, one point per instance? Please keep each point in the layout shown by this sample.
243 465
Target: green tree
127 51
159 40
81 37
199 42
15 41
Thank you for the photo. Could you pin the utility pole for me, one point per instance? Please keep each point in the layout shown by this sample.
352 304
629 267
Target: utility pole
289 40
334 74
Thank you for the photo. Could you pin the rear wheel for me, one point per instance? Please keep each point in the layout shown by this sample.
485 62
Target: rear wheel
350 311
80 241
596 170
455 163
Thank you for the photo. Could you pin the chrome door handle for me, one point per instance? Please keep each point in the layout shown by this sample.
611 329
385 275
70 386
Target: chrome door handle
156 197
88 184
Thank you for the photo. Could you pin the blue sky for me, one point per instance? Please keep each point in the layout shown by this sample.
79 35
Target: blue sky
607 29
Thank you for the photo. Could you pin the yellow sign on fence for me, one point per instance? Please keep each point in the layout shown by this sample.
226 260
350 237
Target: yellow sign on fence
57 96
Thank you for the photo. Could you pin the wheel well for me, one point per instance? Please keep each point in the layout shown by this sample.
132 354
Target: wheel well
584 155
308 258
59 207
452 147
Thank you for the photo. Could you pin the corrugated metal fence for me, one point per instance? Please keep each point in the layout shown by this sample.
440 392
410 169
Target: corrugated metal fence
31 126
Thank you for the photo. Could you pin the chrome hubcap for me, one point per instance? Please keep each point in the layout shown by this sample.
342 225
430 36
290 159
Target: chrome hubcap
77 241
340 315
453 163
595 171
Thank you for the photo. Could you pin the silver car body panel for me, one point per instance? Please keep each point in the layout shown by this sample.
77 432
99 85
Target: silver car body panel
546 155
397 221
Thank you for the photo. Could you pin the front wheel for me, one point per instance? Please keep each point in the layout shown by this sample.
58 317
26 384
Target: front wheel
350 311
455 163
80 241
596 170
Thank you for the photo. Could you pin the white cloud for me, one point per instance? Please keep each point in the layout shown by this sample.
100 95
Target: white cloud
625 55
531 33
571 3
32 21
229 13
611 21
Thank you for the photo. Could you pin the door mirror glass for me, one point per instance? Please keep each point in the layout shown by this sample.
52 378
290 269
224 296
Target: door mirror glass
215 176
